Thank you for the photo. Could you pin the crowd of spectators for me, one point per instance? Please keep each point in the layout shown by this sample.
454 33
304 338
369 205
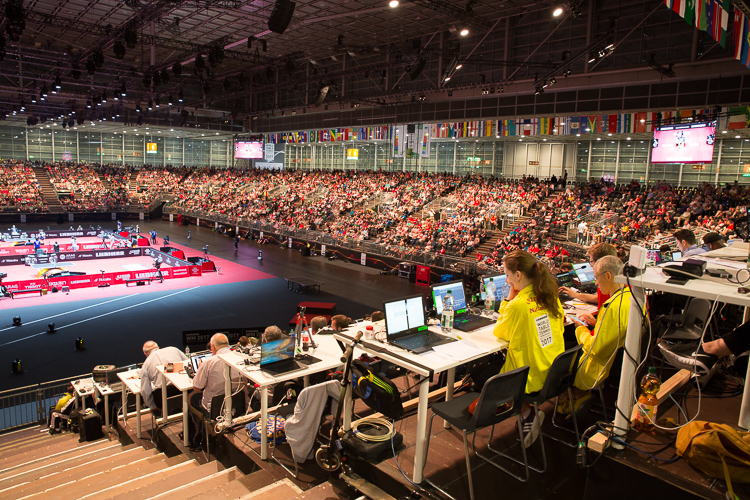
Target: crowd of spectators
80 188
19 187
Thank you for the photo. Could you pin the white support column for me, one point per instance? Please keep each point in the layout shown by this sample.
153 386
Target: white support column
617 163
588 164
183 151
78 160
375 167
648 165
210 152
455 150
679 179
53 144
122 153
718 160
494 152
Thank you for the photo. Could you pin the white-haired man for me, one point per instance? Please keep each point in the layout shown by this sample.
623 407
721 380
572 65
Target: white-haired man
150 376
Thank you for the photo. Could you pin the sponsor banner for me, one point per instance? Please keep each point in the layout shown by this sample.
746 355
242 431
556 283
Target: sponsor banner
81 281
59 282
69 233
180 272
195 270
14 286
13 260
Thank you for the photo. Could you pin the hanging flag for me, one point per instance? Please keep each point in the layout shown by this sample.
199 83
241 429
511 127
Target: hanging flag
424 141
717 21
737 118
685 8
741 37
399 141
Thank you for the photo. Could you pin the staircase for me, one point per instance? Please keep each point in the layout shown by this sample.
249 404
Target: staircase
37 465
48 191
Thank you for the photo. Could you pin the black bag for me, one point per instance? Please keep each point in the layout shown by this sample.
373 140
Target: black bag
370 451
90 426
377 391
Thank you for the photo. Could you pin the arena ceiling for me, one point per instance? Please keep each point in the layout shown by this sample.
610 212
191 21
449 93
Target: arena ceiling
222 68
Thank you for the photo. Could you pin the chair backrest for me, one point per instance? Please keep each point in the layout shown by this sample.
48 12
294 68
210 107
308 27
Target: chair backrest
508 387
696 310
239 404
561 373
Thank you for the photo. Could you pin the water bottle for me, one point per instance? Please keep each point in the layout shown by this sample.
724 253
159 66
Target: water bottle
647 401
446 321
489 298
187 351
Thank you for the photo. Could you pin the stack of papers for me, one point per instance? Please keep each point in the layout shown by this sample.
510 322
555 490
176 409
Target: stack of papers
461 350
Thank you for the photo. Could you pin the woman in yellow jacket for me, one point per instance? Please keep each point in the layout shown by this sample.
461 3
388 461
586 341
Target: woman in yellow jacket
531 321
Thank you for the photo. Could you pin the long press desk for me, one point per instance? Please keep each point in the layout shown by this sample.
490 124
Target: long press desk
654 279
327 351
183 383
131 381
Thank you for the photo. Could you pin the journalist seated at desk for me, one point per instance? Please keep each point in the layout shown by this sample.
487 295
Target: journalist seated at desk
600 344
209 382
687 243
531 321
151 379
594 253
338 323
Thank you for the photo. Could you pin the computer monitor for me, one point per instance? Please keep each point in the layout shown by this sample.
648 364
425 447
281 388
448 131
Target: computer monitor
676 255
565 279
404 315
499 280
585 274
580 265
457 290
112 377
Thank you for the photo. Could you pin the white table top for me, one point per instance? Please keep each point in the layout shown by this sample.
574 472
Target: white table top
132 380
655 279
84 386
328 352
430 360
178 378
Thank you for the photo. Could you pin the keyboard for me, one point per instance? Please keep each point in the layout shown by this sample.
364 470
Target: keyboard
422 341
470 323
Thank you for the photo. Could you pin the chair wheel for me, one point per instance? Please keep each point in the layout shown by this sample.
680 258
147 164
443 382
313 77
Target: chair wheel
328 459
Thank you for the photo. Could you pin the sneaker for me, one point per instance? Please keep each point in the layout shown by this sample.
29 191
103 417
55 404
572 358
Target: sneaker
699 362
531 430
582 405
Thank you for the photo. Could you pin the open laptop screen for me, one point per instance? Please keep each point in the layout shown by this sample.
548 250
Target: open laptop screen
457 290
277 350
197 359
112 377
585 274
404 314
564 279
499 281
676 255
580 265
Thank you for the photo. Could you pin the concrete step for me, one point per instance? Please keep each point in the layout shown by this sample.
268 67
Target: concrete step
280 490
35 471
203 487
149 487
53 482
244 485
101 485
60 446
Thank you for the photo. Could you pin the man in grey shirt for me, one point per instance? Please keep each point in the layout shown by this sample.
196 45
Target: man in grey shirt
209 382
151 379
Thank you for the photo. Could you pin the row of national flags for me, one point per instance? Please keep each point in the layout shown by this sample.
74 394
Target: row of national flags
707 15
621 123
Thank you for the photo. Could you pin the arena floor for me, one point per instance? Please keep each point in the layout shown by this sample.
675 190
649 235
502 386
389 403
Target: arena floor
114 322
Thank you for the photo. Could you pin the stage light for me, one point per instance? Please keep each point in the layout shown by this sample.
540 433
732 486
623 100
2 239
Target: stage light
44 90
79 344
51 328
179 97
16 366
16 320
171 99
464 32
123 91
58 82
557 12
393 4
150 104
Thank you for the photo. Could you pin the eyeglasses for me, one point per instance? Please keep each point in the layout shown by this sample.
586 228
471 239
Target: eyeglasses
597 276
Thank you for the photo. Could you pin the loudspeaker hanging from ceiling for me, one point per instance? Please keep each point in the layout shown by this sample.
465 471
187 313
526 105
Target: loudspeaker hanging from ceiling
281 16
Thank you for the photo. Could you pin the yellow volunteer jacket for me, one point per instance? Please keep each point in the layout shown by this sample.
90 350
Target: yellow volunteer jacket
63 401
535 337
600 346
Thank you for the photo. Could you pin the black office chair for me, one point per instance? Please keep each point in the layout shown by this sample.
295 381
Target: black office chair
559 379
500 399
239 405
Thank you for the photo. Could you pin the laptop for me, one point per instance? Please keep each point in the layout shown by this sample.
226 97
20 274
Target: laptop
462 319
676 256
499 280
406 325
586 279
654 257
565 279
113 381
197 359
277 357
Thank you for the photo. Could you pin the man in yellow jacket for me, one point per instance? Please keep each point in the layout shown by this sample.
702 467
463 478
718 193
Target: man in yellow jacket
600 346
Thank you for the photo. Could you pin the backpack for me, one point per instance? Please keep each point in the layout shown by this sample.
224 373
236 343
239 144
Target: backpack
377 391
718 450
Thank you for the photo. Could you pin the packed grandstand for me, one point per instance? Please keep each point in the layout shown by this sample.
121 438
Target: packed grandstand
408 212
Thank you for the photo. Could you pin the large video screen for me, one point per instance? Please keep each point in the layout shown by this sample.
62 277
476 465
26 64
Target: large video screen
252 150
685 143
